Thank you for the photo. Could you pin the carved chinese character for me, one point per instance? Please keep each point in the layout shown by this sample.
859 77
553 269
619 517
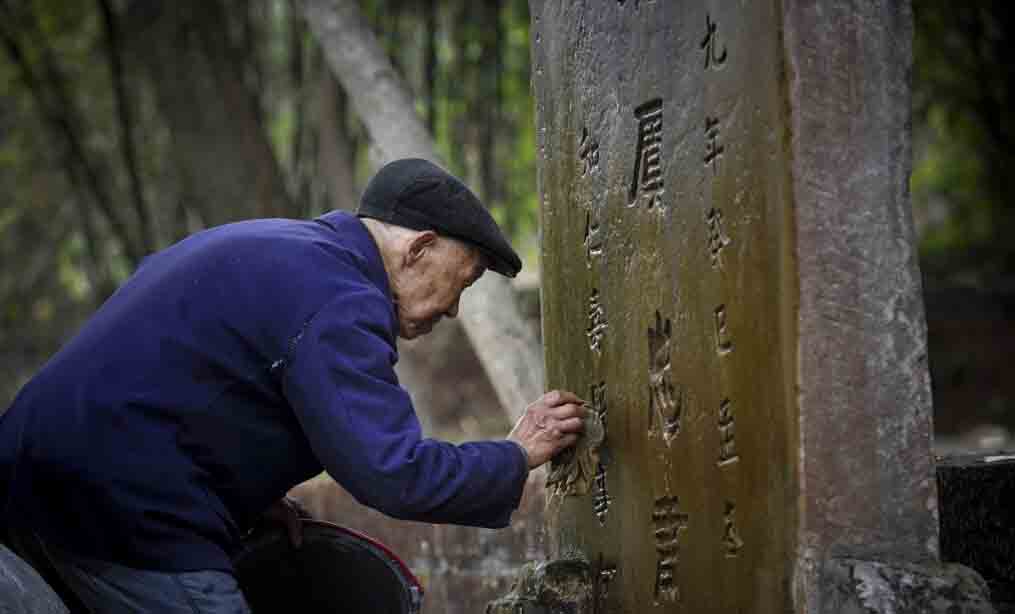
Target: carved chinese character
596 329
597 401
588 151
603 575
709 45
722 341
601 499
572 471
594 240
648 171
731 541
717 239
666 401
713 150
727 434
667 523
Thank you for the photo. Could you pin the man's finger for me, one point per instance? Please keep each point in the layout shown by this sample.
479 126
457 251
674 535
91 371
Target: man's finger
560 397
571 425
568 410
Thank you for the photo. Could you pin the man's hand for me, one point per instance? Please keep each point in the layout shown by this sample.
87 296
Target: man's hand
290 514
549 426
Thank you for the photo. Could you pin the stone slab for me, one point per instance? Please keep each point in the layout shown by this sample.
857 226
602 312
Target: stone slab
729 278
852 586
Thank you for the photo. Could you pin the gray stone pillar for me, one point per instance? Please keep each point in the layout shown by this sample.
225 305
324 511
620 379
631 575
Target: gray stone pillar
730 278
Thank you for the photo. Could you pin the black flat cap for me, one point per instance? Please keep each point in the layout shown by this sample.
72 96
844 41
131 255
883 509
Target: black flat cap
417 194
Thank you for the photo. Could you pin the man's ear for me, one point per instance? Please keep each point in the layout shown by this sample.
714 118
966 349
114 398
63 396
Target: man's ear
419 245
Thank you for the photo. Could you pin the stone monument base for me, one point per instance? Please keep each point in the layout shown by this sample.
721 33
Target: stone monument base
853 586
848 586
551 586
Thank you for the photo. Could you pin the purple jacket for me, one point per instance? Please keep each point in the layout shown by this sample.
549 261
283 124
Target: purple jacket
230 367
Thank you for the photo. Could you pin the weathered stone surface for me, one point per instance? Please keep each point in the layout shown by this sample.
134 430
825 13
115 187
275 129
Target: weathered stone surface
573 472
22 590
851 586
866 469
977 527
729 272
549 588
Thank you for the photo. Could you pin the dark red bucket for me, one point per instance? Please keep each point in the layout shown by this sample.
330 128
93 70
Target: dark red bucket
335 570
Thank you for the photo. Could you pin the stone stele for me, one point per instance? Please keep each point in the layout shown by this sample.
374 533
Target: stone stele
730 280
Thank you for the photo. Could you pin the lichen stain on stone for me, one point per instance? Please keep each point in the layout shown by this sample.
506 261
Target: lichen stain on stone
561 585
573 472
883 588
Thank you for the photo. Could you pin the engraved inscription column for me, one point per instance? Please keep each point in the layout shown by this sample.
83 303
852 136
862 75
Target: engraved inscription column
663 292
729 276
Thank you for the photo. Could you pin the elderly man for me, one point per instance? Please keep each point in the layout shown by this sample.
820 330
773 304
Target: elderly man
240 362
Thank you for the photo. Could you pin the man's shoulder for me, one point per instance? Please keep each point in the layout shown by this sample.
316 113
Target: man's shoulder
275 238
279 250
265 270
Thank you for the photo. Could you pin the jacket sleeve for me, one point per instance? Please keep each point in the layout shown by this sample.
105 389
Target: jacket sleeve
362 426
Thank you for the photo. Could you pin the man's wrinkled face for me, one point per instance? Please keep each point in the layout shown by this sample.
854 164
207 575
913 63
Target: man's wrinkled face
436 273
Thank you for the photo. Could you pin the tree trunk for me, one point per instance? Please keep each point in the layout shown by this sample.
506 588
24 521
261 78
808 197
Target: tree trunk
297 82
228 168
489 88
506 347
125 121
59 111
430 64
335 162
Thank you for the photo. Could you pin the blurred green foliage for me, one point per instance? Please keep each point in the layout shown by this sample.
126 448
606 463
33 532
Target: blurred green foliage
72 224
963 182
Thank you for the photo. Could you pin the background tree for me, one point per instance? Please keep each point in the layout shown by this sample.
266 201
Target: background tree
963 188
505 345
964 184
127 124
132 123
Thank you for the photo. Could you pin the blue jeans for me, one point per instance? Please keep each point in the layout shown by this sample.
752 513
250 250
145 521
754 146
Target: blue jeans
108 588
